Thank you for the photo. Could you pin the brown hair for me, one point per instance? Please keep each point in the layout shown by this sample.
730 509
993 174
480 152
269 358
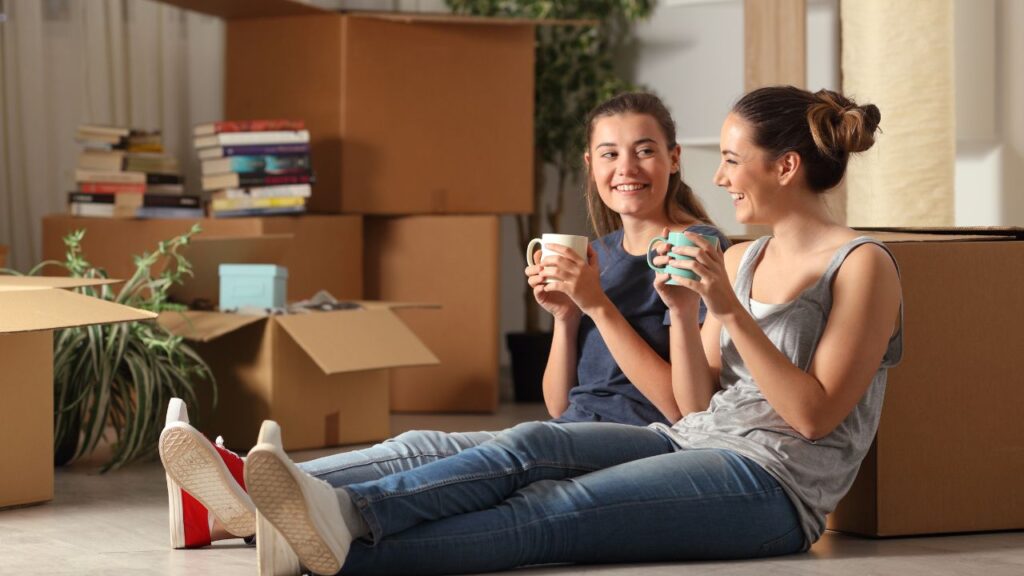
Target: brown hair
824 128
681 196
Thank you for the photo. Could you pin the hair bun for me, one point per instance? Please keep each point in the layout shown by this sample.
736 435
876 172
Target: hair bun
839 126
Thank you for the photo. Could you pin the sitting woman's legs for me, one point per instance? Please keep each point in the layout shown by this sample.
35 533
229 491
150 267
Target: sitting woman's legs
544 493
403 452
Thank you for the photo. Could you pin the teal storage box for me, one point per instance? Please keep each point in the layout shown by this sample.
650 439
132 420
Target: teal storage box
259 285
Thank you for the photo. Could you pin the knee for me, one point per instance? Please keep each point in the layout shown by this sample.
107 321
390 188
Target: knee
523 439
421 441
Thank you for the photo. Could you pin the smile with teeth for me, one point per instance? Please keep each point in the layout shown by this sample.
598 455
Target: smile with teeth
737 196
630 187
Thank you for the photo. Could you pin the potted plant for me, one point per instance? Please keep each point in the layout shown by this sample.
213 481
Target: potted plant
121 376
575 71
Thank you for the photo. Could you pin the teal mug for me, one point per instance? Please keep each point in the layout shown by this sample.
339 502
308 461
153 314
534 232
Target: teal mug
677 239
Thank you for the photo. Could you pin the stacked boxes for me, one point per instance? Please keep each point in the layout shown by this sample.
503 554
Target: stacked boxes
420 135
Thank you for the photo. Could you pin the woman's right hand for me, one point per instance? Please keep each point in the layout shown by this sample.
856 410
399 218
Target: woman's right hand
558 304
678 299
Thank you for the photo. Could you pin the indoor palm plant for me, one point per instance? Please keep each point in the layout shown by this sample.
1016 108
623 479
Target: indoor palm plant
121 376
575 70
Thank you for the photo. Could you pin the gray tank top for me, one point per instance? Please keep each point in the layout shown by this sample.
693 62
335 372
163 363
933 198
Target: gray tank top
815 474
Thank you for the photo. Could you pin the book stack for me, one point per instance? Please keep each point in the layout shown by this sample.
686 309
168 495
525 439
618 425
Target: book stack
124 173
255 167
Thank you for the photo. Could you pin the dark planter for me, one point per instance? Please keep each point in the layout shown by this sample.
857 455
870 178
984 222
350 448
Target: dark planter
64 448
529 353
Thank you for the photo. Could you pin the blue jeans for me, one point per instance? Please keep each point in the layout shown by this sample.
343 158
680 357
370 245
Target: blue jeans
403 452
544 493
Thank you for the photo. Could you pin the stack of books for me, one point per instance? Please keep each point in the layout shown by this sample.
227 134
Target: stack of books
124 173
255 167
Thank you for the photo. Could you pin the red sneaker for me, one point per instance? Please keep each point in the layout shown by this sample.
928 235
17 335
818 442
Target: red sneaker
203 479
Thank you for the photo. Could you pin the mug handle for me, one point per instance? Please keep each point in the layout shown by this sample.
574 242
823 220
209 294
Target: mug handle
529 250
651 245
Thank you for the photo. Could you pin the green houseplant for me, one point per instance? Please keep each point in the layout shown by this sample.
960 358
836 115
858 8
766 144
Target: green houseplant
121 375
575 71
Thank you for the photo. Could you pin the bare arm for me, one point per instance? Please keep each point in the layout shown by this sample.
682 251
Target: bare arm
560 372
866 297
695 352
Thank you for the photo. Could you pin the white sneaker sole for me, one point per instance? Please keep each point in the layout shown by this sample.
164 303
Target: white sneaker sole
306 514
194 464
274 556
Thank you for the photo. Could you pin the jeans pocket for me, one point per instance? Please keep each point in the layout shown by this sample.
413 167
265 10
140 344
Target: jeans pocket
789 543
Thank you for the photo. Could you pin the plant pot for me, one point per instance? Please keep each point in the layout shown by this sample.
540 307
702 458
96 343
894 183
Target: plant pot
64 448
529 353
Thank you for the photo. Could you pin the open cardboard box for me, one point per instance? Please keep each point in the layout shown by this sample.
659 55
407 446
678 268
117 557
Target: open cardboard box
386 97
323 376
33 307
949 454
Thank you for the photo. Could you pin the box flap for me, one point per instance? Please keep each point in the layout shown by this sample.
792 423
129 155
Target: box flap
380 305
30 310
351 340
205 326
421 17
944 234
241 9
206 254
17 283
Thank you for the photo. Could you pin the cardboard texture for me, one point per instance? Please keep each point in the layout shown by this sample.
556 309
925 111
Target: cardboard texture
427 258
322 376
32 309
387 100
947 454
323 253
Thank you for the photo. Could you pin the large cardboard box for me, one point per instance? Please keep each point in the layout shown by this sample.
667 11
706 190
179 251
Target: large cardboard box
323 376
453 261
323 253
949 454
32 308
407 113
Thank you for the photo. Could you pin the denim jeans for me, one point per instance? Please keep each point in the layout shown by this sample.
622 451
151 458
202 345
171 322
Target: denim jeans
403 452
544 493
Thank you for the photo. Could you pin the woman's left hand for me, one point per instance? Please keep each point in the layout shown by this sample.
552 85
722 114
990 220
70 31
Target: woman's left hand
708 262
574 276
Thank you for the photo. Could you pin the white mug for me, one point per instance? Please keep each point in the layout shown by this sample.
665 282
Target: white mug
577 243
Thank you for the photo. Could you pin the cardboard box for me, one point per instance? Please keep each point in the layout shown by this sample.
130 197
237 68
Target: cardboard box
948 454
408 113
323 376
33 307
451 260
321 252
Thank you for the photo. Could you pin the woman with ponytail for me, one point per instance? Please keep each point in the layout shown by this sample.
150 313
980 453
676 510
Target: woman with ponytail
779 395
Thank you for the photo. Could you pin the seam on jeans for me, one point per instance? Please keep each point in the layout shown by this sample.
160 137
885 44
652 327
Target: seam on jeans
382 461
517 527
472 477
769 546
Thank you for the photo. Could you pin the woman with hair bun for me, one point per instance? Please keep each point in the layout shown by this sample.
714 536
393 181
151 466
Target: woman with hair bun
780 394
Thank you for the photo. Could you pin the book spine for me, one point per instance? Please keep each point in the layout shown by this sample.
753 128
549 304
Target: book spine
259 211
257 125
250 138
171 201
158 178
90 198
111 188
262 179
110 177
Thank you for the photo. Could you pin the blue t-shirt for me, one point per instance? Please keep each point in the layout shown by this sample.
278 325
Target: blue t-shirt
602 392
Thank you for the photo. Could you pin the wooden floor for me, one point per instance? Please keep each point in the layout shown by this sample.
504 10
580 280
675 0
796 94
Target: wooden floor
118 523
